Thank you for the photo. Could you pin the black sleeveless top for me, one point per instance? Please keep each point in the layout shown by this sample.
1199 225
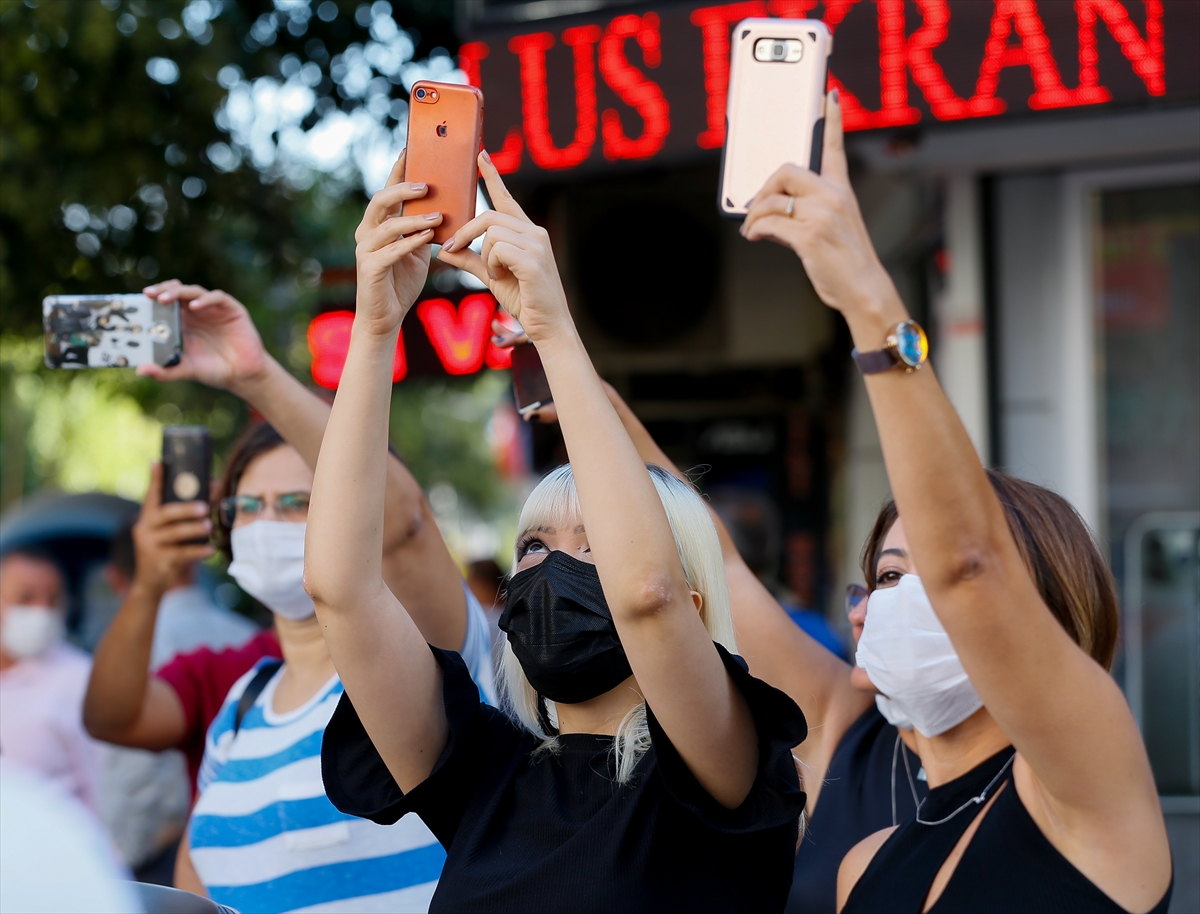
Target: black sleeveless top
870 784
1009 865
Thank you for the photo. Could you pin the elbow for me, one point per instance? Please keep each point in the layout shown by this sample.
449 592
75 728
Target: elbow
99 725
645 598
961 569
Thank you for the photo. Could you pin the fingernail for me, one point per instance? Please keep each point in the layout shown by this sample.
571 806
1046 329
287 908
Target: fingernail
429 217
448 246
487 158
419 185
835 97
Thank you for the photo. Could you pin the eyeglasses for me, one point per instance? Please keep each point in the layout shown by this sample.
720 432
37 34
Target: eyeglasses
855 594
291 506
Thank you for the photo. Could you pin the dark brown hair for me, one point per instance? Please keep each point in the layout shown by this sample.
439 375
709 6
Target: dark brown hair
1058 549
257 440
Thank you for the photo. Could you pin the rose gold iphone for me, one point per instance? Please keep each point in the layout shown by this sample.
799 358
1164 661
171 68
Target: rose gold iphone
776 110
445 134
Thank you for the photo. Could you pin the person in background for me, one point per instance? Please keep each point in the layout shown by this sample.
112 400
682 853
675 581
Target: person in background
485 578
147 795
263 836
174 707
42 679
187 616
991 628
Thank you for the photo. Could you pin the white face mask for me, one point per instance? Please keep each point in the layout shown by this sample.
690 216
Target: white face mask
268 563
30 631
891 713
910 659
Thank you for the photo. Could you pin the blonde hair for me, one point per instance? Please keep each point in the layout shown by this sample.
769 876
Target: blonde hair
555 503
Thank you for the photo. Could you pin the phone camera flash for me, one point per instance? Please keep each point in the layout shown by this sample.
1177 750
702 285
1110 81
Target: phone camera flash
778 50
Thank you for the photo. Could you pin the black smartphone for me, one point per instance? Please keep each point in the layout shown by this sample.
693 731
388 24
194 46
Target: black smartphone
187 463
110 331
530 387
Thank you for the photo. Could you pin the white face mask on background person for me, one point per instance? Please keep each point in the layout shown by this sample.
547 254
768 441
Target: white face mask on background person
268 563
909 658
30 631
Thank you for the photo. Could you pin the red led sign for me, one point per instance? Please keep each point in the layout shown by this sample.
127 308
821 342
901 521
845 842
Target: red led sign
460 336
652 85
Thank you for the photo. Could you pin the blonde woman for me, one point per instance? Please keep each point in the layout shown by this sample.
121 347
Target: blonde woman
645 769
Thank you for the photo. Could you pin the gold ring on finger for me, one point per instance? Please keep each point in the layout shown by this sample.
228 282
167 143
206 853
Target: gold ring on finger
791 205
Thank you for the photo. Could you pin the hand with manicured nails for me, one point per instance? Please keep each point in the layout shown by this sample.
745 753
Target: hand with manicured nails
825 228
516 263
165 534
392 252
221 347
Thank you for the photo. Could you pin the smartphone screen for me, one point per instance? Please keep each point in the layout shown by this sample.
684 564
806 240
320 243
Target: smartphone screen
776 111
187 463
445 134
530 387
110 331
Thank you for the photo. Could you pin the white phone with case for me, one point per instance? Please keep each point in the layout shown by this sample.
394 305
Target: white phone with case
776 108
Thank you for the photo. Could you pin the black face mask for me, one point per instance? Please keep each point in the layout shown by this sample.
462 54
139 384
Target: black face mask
559 626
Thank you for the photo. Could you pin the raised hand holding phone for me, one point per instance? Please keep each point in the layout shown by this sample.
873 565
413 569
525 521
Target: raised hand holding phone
392 252
516 263
817 216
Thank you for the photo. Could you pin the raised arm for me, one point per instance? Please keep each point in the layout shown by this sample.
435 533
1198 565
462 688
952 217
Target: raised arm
223 349
679 672
778 650
376 647
1063 712
124 704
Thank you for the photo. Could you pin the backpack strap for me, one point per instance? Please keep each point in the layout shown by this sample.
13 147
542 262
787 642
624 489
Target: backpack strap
254 688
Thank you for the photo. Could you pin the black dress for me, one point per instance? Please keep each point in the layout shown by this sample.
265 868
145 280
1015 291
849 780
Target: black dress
1009 865
870 784
553 832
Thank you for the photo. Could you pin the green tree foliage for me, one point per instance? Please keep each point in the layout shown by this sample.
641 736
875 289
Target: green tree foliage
124 159
107 135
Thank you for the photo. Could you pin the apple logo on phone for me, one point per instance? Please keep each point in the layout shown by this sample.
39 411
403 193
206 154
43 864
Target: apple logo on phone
441 130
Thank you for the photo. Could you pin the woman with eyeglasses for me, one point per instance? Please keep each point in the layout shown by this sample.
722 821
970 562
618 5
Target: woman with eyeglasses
263 836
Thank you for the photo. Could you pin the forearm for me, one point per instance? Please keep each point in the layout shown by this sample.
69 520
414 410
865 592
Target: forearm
121 666
952 517
301 418
343 549
627 529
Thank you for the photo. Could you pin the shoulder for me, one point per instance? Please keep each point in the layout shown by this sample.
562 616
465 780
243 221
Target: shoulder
208 665
856 861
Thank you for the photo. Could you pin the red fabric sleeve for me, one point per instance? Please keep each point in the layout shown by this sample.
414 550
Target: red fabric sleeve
202 678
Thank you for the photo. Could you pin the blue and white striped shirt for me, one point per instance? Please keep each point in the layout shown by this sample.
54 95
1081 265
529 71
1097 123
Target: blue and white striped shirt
265 838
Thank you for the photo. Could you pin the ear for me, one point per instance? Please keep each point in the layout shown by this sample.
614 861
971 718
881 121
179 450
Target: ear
698 599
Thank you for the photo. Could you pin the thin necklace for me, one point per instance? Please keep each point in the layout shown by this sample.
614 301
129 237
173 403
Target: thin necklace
896 751
977 800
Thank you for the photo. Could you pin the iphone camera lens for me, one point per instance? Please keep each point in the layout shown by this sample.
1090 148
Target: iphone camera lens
420 93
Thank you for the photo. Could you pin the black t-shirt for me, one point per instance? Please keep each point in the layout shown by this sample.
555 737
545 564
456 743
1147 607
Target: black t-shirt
528 830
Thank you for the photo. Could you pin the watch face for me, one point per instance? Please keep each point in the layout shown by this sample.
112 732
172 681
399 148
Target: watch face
912 346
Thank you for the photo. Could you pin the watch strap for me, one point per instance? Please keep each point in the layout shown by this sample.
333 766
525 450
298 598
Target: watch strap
873 362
